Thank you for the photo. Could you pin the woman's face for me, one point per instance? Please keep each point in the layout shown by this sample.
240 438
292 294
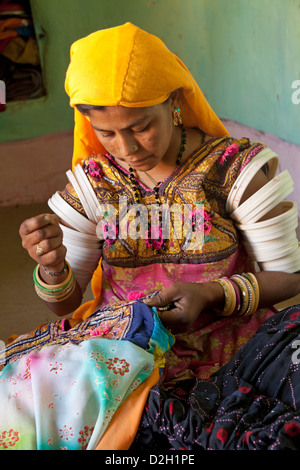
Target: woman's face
137 137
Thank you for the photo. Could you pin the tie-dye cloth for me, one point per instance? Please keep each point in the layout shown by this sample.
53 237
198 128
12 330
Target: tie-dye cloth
60 389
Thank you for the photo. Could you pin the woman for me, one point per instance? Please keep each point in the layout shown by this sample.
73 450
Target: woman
145 136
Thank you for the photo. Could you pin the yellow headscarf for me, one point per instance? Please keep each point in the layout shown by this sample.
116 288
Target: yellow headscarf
127 66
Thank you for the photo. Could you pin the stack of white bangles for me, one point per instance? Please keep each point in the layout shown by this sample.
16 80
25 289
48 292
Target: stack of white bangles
272 243
81 240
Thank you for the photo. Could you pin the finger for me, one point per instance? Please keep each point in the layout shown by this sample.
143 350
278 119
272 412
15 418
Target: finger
174 318
51 258
164 297
37 222
45 233
161 299
49 244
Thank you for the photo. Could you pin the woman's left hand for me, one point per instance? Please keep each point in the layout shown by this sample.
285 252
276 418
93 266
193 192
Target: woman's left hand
186 300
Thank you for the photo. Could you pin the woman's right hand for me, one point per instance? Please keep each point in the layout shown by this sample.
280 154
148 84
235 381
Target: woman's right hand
43 231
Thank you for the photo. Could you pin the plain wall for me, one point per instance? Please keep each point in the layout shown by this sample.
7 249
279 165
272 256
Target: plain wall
244 54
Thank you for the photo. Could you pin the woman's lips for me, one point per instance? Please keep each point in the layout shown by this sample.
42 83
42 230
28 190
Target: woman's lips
140 162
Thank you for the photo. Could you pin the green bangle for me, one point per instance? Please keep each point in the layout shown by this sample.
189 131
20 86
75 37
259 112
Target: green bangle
56 288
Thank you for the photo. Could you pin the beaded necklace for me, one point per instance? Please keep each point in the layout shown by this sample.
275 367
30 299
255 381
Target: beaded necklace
157 243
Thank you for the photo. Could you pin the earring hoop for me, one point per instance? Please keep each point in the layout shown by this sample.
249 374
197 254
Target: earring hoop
177 119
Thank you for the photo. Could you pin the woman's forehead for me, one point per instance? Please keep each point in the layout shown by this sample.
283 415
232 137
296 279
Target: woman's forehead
121 117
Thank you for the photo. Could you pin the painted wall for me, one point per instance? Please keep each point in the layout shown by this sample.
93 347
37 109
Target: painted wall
245 55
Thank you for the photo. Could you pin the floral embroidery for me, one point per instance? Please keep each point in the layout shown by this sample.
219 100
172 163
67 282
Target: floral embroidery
66 433
200 220
157 241
56 367
222 434
100 331
27 373
97 356
118 366
93 169
292 429
9 438
245 389
85 435
231 150
135 295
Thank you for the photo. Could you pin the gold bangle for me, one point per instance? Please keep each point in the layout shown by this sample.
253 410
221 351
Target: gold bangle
244 294
53 287
255 286
53 299
230 297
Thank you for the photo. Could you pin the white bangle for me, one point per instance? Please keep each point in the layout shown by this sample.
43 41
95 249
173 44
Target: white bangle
264 156
70 215
265 199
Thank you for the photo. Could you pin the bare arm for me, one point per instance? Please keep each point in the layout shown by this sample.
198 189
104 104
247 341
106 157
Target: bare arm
44 231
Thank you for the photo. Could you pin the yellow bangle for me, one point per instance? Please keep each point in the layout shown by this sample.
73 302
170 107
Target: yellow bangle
255 287
230 297
54 292
53 287
244 294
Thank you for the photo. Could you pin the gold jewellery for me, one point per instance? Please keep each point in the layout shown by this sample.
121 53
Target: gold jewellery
134 148
241 294
39 250
177 119
54 292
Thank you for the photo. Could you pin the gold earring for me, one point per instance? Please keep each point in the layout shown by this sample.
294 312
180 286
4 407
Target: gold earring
177 119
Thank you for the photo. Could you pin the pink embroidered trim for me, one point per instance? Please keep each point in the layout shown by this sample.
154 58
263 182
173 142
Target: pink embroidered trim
231 150
251 155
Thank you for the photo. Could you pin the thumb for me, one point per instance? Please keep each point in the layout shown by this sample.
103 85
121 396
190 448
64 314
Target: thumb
53 219
161 299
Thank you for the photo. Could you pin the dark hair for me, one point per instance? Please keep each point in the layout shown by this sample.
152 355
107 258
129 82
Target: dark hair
85 108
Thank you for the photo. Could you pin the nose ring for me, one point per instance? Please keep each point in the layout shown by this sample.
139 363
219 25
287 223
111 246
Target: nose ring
133 148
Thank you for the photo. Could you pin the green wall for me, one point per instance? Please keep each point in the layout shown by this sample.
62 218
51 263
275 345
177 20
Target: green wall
245 55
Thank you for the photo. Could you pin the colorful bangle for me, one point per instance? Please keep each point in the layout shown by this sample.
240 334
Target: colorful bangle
244 294
56 274
51 287
230 297
251 277
241 293
56 292
238 297
48 298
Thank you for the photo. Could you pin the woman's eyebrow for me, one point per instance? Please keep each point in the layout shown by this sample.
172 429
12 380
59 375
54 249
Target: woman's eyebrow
135 123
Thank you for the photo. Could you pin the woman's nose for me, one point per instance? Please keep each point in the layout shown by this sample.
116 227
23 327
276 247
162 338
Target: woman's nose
127 146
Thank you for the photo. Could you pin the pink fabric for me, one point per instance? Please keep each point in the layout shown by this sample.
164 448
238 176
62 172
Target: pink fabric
213 340
140 281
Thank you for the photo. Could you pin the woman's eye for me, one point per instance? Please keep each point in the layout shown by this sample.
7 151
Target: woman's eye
143 129
107 134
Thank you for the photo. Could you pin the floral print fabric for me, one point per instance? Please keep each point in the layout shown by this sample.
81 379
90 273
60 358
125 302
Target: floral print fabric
63 395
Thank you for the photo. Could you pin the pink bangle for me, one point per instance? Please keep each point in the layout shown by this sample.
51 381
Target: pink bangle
238 297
